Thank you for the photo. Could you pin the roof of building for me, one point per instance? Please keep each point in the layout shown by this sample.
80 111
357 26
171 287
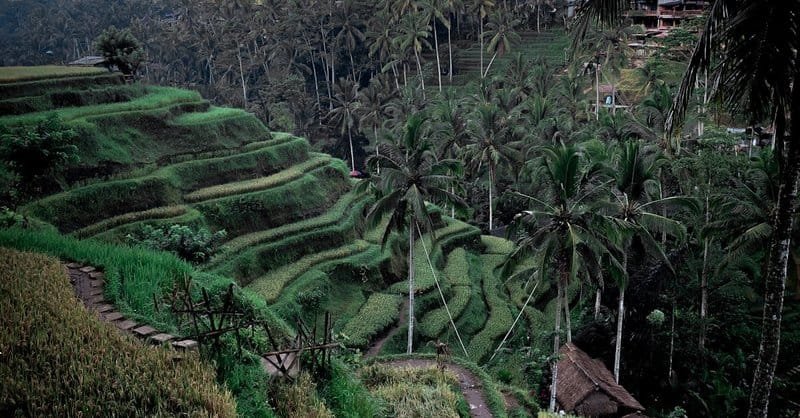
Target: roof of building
89 60
580 375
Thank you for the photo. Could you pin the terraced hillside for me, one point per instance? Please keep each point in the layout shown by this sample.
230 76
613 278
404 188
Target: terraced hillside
292 222
547 46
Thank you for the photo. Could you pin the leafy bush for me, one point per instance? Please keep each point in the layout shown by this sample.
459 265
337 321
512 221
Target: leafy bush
112 373
192 244
120 49
38 153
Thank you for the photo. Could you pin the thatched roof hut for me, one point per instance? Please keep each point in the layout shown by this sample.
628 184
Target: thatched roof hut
89 61
587 388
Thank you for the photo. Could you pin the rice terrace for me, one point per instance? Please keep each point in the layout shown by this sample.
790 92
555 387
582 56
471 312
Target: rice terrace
399 208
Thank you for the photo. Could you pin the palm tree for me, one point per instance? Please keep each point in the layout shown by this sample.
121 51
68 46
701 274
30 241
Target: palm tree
373 105
750 48
410 175
344 112
434 10
349 33
636 182
565 232
501 33
491 146
414 36
481 8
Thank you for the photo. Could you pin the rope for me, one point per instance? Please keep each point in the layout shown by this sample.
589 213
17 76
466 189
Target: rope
433 271
515 322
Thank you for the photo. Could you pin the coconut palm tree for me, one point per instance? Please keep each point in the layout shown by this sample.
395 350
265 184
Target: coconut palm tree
491 146
344 112
637 206
349 34
482 9
414 33
501 34
565 231
749 48
410 175
434 10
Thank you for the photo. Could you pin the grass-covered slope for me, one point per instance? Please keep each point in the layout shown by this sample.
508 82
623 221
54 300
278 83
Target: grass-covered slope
59 360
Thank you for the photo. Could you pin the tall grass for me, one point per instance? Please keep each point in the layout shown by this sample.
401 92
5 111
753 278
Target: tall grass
500 316
380 311
60 360
270 285
414 392
157 97
306 196
261 183
16 74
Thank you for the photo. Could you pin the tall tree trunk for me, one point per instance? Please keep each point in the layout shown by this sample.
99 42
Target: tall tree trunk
352 154
241 77
316 79
450 53
704 285
671 342
567 319
597 299
352 65
411 233
775 281
436 50
620 319
556 347
481 36
491 209
419 71
597 92
490 65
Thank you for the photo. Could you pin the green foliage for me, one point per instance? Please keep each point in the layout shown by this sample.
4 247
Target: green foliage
270 285
309 194
192 244
437 321
68 97
413 392
298 399
346 206
120 49
496 245
500 316
379 312
148 381
261 183
131 217
347 396
85 206
47 72
40 152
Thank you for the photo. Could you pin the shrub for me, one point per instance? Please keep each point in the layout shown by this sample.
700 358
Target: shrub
38 153
191 244
120 49
111 373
